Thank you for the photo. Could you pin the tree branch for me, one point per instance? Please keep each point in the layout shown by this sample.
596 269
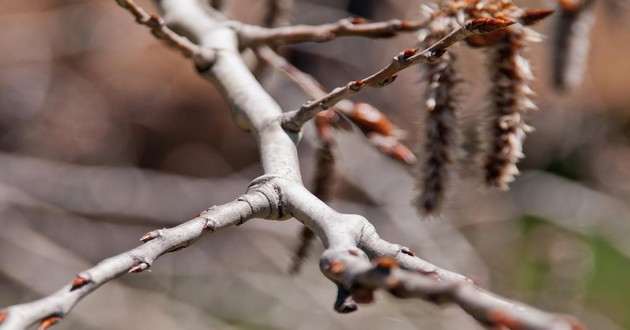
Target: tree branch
253 35
253 204
350 240
294 120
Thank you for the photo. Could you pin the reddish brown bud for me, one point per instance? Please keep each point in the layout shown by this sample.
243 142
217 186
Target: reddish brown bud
390 146
79 281
501 318
404 25
407 251
48 322
569 5
485 25
149 236
404 55
336 267
531 17
139 267
575 325
370 119
358 20
386 263
3 315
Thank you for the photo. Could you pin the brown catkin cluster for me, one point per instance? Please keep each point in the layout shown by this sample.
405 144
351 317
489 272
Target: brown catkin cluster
509 94
440 106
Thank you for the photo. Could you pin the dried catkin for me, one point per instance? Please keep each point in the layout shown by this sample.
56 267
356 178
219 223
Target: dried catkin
509 96
440 106
570 42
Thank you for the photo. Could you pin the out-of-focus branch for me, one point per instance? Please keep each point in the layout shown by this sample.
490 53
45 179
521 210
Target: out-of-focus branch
252 35
294 120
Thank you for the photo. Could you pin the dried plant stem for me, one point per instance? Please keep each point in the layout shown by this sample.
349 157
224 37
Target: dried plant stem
294 120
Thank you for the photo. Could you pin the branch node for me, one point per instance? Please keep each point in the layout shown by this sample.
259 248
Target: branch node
139 266
80 281
405 55
49 321
150 236
407 251
209 225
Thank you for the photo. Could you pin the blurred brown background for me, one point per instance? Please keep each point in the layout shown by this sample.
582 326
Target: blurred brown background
106 134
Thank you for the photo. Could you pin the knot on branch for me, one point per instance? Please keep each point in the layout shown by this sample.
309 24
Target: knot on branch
268 186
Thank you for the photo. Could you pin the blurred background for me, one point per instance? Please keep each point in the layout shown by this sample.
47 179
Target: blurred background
106 134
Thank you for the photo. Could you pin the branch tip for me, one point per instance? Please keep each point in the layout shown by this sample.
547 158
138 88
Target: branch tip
49 322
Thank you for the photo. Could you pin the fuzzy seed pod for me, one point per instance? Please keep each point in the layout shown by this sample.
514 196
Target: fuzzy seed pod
440 106
509 95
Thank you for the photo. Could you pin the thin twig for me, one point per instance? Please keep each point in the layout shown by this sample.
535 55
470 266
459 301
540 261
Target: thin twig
158 242
203 58
253 35
293 121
